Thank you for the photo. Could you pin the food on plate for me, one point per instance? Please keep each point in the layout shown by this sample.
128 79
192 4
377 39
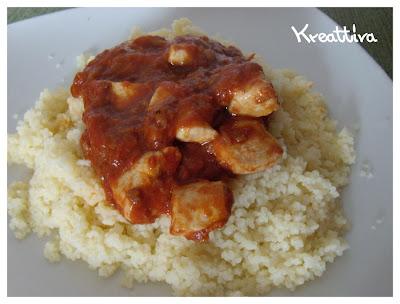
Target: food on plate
146 98
190 163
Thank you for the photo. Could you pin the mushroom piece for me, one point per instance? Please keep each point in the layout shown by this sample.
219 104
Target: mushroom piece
144 172
125 93
244 146
199 208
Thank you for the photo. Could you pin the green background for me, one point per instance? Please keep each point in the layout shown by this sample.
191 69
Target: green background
368 20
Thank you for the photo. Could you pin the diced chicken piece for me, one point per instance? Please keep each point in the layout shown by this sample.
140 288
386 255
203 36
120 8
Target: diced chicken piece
161 94
125 93
141 174
258 98
159 124
244 146
198 134
199 208
244 90
164 92
193 118
193 112
179 54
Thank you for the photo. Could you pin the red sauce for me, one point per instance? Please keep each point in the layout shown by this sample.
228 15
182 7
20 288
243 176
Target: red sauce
118 135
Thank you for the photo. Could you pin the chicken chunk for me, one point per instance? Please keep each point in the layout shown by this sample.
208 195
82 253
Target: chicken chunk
244 146
191 119
257 99
198 134
199 208
144 172
179 54
194 115
165 91
158 97
244 90
159 124
125 93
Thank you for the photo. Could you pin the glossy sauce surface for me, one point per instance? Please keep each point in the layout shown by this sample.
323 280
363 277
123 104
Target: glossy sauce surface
118 134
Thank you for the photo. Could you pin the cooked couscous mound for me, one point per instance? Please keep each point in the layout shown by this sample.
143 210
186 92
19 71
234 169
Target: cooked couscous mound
286 222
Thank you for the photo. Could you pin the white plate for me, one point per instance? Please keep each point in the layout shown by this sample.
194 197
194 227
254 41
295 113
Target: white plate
356 88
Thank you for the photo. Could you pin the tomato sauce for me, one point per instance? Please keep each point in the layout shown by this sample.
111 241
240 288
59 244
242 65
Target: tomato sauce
117 135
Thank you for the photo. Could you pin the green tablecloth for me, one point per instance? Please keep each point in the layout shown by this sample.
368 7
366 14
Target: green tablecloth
368 20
